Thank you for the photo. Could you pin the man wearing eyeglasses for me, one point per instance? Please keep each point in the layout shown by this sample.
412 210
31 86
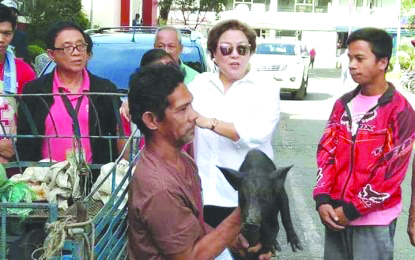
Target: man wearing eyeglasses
67 114
14 74
169 39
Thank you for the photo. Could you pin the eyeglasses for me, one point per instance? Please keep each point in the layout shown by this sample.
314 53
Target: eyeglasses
226 49
70 49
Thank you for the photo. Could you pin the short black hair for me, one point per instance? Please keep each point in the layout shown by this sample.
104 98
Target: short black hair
6 15
154 55
149 89
58 27
379 40
88 41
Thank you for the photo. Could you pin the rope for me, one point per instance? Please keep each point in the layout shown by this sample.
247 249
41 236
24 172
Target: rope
58 233
89 244
56 238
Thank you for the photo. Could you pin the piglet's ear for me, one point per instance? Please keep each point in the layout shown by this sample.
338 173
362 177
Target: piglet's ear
233 177
279 176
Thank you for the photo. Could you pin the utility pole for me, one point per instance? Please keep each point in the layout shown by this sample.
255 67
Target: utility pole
91 12
397 67
351 7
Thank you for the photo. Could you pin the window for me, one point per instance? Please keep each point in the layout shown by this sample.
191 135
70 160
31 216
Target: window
251 5
304 6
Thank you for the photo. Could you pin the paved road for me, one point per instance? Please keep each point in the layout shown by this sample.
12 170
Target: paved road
299 131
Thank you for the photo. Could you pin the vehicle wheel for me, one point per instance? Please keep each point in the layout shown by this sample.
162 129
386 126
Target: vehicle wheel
305 86
299 94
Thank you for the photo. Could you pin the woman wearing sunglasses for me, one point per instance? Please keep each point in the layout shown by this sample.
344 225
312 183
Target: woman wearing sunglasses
238 111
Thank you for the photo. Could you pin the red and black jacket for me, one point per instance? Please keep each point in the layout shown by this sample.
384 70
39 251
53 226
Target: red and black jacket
363 173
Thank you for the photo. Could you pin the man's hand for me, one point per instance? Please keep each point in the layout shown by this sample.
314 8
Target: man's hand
329 217
243 248
411 227
6 149
343 220
125 110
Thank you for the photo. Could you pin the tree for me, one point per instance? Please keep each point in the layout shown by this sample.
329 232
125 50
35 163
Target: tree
407 6
164 11
191 8
41 14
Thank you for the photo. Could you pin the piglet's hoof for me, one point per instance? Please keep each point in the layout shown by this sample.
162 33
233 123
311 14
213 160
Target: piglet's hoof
296 246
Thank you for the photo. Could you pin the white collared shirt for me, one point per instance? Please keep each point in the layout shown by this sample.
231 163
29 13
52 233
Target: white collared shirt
252 104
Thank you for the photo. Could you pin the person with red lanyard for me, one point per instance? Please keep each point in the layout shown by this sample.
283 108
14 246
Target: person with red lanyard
56 115
14 74
363 156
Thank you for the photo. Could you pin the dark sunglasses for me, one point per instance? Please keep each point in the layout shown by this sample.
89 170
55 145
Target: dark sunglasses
226 49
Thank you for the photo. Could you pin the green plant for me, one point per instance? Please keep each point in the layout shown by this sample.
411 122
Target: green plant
34 50
39 43
406 54
192 12
41 14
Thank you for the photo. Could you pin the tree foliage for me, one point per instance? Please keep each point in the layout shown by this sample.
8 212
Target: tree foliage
406 7
407 4
164 11
191 10
41 14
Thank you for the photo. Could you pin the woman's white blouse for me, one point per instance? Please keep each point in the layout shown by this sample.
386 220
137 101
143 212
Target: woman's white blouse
252 104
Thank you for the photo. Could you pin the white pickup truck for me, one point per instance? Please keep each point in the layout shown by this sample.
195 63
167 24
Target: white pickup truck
287 61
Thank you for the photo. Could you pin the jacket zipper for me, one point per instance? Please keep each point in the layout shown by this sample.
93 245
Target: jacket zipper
351 153
353 145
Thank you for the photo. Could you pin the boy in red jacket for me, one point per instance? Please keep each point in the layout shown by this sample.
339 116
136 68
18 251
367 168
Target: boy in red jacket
363 156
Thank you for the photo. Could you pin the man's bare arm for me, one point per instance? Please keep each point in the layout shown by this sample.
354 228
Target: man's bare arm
214 242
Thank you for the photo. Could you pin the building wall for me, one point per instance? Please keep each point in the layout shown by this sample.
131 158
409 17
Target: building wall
108 12
317 24
324 44
135 7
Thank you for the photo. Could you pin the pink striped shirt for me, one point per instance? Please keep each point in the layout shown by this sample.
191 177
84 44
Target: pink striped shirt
61 147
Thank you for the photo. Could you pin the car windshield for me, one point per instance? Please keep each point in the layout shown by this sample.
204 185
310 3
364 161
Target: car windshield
276 49
115 62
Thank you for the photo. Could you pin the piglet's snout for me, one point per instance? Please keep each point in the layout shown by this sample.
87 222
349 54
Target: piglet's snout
251 233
